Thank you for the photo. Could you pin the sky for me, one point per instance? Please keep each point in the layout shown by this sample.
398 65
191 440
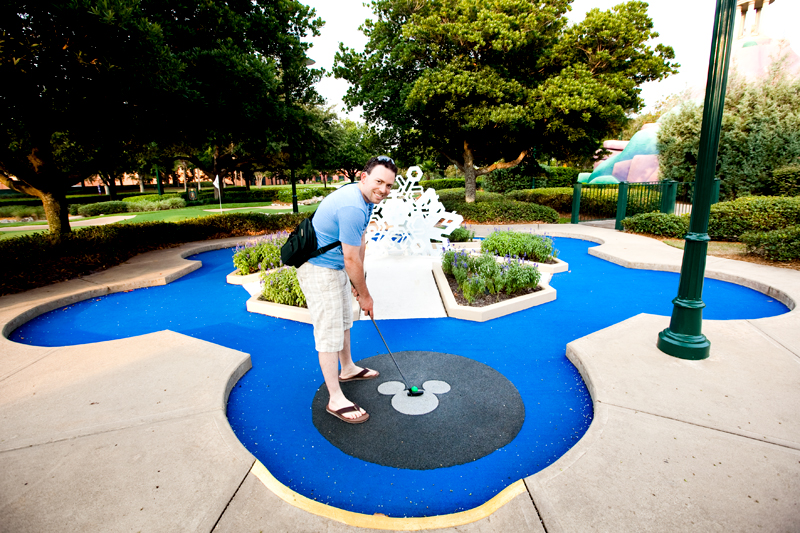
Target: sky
686 25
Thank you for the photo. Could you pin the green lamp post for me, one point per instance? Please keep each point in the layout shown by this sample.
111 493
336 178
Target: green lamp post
684 338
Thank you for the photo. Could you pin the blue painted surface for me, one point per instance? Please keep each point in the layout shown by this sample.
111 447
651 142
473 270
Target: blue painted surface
269 409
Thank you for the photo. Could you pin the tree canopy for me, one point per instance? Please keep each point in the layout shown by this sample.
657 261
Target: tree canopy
760 133
90 84
487 82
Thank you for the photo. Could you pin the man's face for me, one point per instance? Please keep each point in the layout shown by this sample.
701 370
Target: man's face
376 185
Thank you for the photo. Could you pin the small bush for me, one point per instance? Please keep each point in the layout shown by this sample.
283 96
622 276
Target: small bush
786 180
559 198
516 178
281 286
461 235
561 176
776 245
102 208
495 208
477 275
449 183
94 248
263 253
663 224
285 195
150 197
729 220
21 211
527 246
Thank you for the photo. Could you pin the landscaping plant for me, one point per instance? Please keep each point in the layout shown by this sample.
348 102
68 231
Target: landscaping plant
281 286
776 245
480 274
461 235
263 253
526 246
662 224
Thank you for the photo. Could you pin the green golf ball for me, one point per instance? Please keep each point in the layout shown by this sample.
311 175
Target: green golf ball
414 390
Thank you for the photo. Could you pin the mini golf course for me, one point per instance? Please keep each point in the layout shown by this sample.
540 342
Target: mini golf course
512 403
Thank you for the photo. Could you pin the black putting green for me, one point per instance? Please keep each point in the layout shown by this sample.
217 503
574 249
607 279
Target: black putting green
481 412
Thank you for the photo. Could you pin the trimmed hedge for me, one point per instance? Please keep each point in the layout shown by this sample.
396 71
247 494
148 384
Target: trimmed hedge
663 224
786 180
151 197
559 198
777 245
36 260
562 176
449 183
500 211
729 220
102 208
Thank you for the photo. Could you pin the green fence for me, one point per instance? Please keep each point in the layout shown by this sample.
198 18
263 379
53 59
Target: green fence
620 200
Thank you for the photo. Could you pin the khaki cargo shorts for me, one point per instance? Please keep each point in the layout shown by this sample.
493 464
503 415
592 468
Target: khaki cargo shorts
329 301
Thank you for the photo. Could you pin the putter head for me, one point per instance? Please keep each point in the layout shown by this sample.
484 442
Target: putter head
418 392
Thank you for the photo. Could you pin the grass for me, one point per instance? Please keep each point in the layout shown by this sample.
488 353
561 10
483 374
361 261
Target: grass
171 215
732 250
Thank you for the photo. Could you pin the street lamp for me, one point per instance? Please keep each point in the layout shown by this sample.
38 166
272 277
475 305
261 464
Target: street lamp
684 338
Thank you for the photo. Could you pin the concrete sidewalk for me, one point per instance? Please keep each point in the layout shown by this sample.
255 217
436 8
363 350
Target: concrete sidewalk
132 434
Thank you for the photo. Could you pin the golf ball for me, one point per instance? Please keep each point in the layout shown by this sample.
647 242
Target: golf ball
414 389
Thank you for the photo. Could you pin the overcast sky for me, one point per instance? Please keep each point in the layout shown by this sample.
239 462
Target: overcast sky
686 25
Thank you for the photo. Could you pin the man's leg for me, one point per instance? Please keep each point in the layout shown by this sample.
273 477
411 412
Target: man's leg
350 369
329 363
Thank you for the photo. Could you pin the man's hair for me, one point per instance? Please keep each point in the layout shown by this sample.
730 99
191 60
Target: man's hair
382 160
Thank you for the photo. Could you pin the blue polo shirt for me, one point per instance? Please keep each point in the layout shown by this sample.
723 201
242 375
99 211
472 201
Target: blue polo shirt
342 216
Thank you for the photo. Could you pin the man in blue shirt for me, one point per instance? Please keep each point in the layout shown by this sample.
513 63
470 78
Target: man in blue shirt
326 280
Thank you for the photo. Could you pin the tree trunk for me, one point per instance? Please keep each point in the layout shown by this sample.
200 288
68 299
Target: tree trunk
469 174
112 187
55 209
141 184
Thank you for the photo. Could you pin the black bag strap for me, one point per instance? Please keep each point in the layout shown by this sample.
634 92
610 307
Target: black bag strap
332 245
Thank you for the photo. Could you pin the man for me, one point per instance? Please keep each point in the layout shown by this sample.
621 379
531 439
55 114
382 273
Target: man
343 216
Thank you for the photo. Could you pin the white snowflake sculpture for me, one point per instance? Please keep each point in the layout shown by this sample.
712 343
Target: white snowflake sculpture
410 218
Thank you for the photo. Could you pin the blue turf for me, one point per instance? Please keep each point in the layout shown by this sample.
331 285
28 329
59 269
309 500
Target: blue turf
269 409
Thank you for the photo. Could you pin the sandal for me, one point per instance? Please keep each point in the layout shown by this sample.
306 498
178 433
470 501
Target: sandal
360 376
353 408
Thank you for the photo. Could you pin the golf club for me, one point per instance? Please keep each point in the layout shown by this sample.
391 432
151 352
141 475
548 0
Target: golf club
412 391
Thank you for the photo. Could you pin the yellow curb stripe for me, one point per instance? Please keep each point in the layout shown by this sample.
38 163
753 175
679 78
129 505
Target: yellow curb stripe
380 521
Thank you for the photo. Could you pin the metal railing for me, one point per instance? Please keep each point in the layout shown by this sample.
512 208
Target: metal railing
620 200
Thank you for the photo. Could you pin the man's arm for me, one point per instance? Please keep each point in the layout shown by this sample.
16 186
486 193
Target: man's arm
354 266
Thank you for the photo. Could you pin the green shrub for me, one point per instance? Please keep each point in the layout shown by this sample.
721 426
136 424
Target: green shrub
527 246
305 193
461 235
516 178
263 253
102 208
160 205
776 245
94 248
729 220
151 197
559 198
561 176
786 180
281 286
22 211
477 275
663 224
494 208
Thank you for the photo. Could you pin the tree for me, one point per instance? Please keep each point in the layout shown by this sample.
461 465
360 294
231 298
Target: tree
247 64
486 82
358 143
82 80
760 133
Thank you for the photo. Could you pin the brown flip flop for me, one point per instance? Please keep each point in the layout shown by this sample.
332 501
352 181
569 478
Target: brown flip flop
353 408
360 376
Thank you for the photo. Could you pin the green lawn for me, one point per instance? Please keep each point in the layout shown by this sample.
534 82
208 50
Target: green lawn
171 215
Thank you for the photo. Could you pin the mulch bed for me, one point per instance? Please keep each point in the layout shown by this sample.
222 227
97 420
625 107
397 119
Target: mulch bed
487 299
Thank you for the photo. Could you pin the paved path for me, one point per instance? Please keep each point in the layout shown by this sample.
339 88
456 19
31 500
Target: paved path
132 435
74 223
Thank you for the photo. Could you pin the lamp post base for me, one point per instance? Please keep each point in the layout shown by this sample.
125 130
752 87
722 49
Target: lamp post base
691 347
